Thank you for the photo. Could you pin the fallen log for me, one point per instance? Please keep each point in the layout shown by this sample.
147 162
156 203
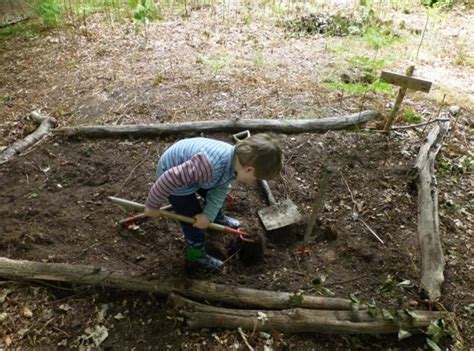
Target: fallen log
432 259
12 21
300 320
45 125
232 126
228 294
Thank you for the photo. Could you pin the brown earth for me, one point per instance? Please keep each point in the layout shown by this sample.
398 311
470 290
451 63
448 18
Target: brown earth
53 205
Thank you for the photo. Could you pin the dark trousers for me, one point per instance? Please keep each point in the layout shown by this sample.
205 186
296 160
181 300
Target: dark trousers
189 205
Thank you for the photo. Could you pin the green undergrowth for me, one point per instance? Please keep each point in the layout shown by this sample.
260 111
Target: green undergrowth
362 76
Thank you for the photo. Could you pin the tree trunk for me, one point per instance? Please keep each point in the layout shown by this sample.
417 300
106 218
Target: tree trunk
228 294
19 146
300 320
432 259
280 126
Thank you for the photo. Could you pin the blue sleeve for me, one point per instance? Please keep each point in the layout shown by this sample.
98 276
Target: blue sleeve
215 200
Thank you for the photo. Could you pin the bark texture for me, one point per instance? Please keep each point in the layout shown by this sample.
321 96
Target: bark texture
233 126
299 320
432 259
203 290
45 125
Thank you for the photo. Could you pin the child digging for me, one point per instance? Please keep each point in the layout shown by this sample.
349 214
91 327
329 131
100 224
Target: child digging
208 167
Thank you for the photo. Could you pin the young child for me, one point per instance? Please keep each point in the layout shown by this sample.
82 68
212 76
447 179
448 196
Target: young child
208 167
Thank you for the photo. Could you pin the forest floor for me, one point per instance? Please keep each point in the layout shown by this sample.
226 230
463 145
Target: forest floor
216 64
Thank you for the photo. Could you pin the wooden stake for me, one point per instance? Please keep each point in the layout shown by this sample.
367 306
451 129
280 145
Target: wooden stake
401 94
317 206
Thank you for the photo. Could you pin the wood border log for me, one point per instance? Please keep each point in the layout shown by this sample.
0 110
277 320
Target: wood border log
45 125
432 259
228 294
226 126
300 320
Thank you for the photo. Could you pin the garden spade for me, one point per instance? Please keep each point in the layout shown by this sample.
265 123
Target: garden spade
221 228
277 214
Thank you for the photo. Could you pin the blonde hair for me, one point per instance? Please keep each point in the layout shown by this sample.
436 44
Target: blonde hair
262 152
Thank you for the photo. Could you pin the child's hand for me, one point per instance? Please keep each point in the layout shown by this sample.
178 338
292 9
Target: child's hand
151 212
202 221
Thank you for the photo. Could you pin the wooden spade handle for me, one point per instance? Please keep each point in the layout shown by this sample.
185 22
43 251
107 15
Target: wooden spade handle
168 214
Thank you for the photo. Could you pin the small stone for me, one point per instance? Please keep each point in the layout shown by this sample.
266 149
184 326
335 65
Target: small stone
139 258
119 316
454 110
27 312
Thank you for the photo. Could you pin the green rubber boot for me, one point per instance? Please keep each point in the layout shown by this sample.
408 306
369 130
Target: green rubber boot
200 256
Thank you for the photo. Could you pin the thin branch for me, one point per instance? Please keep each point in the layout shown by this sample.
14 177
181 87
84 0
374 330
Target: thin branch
244 338
422 124
354 211
439 111
131 173
371 231
423 35
410 126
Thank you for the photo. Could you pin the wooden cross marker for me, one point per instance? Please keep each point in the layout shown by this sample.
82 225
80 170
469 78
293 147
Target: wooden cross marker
404 82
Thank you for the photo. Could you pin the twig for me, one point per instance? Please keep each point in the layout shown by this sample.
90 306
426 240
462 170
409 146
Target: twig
230 257
422 124
317 205
61 331
51 285
124 109
45 325
131 173
298 265
354 212
239 329
439 112
371 231
422 35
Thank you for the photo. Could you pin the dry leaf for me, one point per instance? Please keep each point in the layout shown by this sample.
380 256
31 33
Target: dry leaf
7 340
3 294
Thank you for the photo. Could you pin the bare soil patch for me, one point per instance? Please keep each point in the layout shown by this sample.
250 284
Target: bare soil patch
54 209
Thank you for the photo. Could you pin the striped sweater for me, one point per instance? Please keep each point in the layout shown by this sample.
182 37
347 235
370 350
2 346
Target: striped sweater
191 164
